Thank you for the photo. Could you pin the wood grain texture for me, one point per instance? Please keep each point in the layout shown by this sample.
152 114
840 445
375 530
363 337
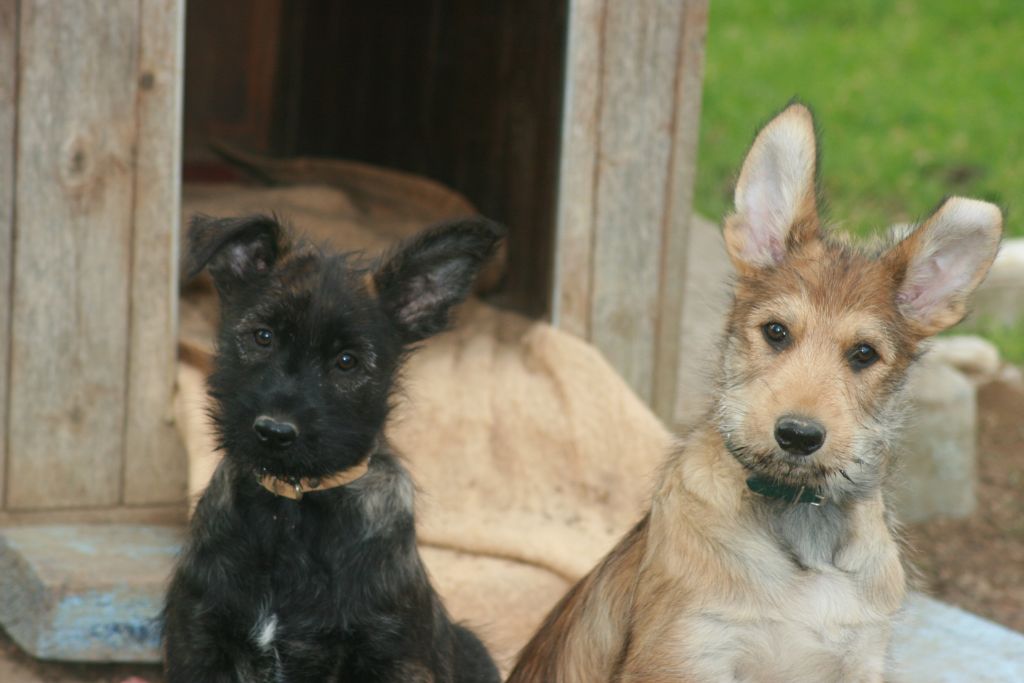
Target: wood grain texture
629 142
8 108
155 460
676 228
73 202
574 253
641 43
121 514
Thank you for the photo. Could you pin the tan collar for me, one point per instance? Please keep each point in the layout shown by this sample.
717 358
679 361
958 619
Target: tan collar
296 488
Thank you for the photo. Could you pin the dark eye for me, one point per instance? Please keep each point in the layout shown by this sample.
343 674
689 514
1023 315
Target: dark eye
862 356
263 336
776 334
347 361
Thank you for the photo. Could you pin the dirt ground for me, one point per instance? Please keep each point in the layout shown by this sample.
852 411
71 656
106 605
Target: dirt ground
976 563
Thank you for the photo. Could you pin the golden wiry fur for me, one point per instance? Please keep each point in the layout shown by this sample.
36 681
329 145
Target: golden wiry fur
717 583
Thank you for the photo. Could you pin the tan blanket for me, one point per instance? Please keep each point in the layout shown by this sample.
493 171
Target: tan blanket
531 455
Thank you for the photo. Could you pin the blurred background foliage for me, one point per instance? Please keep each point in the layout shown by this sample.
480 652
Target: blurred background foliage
914 99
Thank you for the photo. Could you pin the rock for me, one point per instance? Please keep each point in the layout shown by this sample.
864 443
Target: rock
936 456
86 592
1011 374
976 357
1000 297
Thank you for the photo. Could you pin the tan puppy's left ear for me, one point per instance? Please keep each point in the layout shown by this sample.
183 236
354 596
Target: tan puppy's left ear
775 200
943 260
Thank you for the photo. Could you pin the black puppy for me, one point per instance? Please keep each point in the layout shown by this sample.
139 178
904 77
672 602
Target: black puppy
301 564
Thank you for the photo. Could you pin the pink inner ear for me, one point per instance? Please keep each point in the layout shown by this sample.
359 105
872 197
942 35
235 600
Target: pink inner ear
950 253
763 248
763 242
935 281
238 258
245 258
776 250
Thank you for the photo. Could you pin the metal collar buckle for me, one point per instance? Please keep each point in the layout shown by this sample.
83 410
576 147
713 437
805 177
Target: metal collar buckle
817 501
297 485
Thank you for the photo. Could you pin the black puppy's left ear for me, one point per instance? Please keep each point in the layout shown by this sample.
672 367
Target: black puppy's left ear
424 278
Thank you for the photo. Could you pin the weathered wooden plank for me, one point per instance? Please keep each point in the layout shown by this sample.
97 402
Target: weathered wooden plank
679 210
73 203
631 111
641 43
570 306
8 109
155 460
168 514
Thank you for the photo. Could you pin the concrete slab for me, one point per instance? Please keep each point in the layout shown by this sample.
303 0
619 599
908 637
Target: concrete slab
86 592
937 643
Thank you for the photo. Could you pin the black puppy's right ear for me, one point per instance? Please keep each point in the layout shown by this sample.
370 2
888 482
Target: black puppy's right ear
233 249
425 277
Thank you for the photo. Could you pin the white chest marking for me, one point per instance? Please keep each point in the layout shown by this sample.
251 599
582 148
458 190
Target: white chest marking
823 630
264 631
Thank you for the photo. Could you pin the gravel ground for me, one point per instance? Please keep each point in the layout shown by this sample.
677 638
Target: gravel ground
978 563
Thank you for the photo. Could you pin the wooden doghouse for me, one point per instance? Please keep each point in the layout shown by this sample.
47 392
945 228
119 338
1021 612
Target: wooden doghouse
90 139
573 122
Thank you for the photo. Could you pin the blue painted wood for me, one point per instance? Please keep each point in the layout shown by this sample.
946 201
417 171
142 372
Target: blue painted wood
86 592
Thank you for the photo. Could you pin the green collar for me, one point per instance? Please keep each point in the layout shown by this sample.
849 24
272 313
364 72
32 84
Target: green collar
763 486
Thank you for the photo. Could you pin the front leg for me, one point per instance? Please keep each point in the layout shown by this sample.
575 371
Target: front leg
197 671
192 656
410 655
655 651
393 671
202 644
656 666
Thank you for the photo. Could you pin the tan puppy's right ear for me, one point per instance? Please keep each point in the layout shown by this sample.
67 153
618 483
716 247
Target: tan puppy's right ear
943 260
775 205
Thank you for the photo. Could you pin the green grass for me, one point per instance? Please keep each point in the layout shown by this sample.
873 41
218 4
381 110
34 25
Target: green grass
915 100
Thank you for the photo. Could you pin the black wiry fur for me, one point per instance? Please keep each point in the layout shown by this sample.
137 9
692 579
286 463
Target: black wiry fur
331 587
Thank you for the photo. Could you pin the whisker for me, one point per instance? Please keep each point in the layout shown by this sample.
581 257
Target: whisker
769 386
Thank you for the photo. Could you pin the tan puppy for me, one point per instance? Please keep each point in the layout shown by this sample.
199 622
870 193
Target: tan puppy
768 554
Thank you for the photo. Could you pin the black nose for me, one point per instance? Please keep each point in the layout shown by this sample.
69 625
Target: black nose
798 435
280 434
